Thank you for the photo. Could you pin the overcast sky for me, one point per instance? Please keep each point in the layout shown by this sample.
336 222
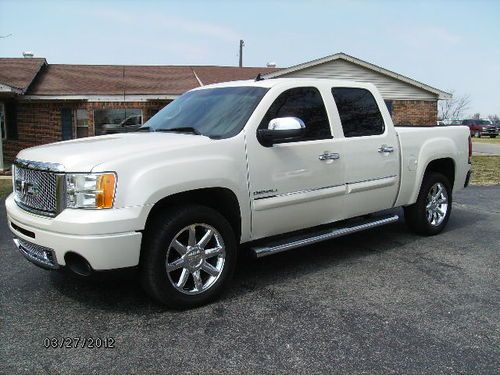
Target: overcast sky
451 45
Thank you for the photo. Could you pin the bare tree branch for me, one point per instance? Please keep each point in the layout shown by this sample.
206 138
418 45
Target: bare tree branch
453 108
494 119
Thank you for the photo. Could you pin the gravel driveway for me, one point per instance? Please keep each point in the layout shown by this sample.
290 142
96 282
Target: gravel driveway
383 301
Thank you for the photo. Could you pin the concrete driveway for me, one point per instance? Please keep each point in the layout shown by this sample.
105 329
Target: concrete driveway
485 148
383 301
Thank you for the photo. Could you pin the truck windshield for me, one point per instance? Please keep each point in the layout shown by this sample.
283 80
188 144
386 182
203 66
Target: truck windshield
215 113
484 122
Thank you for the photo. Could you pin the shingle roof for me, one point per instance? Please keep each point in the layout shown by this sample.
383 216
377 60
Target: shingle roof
216 74
60 79
19 72
113 80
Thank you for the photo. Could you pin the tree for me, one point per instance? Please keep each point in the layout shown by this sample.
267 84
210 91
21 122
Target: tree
494 119
453 108
476 116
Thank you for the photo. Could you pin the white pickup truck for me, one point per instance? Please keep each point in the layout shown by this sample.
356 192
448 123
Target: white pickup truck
273 164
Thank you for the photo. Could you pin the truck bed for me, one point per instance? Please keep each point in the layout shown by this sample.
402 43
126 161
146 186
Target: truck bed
421 144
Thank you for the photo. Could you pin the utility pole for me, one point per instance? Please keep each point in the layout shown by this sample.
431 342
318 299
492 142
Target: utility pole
242 44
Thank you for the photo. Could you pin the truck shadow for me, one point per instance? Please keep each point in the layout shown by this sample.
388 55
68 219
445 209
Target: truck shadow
121 291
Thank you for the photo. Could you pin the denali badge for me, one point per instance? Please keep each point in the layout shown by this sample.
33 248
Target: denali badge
259 192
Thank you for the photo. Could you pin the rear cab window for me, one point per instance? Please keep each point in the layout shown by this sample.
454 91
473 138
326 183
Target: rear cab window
359 113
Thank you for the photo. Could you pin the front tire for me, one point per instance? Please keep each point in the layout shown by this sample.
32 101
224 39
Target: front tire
430 213
188 256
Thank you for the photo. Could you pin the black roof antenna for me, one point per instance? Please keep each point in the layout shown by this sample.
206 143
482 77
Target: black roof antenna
259 78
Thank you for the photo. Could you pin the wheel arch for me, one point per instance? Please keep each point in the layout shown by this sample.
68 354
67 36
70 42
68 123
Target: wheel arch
222 200
445 165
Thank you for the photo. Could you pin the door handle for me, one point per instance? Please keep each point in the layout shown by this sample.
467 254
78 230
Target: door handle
329 156
385 149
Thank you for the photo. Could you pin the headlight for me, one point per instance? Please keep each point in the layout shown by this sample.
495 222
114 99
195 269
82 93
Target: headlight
96 190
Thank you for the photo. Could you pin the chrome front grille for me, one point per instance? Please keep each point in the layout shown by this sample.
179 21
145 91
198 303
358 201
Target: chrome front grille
40 255
38 187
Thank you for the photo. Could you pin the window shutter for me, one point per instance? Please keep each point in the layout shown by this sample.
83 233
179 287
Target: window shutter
388 103
66 124
11 119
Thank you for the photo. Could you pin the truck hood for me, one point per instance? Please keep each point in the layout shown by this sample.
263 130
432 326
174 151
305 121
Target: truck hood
82 155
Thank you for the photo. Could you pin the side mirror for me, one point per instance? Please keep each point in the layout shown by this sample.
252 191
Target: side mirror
280 130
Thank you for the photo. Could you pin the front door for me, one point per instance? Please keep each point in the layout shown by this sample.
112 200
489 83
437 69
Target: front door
370 152
300 183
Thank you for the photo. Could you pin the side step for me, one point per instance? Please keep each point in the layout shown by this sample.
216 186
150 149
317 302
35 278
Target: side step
281 245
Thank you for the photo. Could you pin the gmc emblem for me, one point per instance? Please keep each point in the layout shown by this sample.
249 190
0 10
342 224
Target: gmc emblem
25 188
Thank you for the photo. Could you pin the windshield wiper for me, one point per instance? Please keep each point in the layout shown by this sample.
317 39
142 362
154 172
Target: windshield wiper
144 129
181 129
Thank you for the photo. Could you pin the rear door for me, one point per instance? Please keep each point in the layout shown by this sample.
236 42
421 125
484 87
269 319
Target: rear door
370 151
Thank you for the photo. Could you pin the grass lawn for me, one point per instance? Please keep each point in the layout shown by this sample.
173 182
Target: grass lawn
485 170
487 140
5 187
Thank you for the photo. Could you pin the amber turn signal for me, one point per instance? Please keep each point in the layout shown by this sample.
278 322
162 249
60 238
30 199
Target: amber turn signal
105 192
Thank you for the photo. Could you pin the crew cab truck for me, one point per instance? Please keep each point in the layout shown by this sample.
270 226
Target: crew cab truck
270 164
480 128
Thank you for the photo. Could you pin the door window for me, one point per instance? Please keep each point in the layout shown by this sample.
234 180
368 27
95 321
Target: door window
359 112
305 103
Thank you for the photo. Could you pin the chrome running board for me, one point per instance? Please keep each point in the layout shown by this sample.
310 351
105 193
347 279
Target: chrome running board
281 245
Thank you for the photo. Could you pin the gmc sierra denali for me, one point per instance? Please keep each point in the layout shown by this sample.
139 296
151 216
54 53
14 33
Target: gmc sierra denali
270 164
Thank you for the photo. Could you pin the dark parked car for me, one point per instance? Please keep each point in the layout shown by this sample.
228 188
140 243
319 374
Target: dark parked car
130 124
480 128
497 124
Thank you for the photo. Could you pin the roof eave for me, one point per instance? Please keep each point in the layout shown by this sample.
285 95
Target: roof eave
6 89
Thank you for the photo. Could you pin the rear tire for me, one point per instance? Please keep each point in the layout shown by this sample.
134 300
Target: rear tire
430 213
188 256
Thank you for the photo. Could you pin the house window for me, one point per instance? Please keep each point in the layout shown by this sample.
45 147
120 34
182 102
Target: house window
110 121
2 121
82 123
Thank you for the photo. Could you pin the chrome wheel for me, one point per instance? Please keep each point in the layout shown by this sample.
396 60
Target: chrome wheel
195 258
436 204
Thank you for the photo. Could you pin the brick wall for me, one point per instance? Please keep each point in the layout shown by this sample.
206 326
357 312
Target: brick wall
39 122
414 112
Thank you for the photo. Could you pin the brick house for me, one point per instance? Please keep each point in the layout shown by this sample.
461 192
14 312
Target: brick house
42 103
